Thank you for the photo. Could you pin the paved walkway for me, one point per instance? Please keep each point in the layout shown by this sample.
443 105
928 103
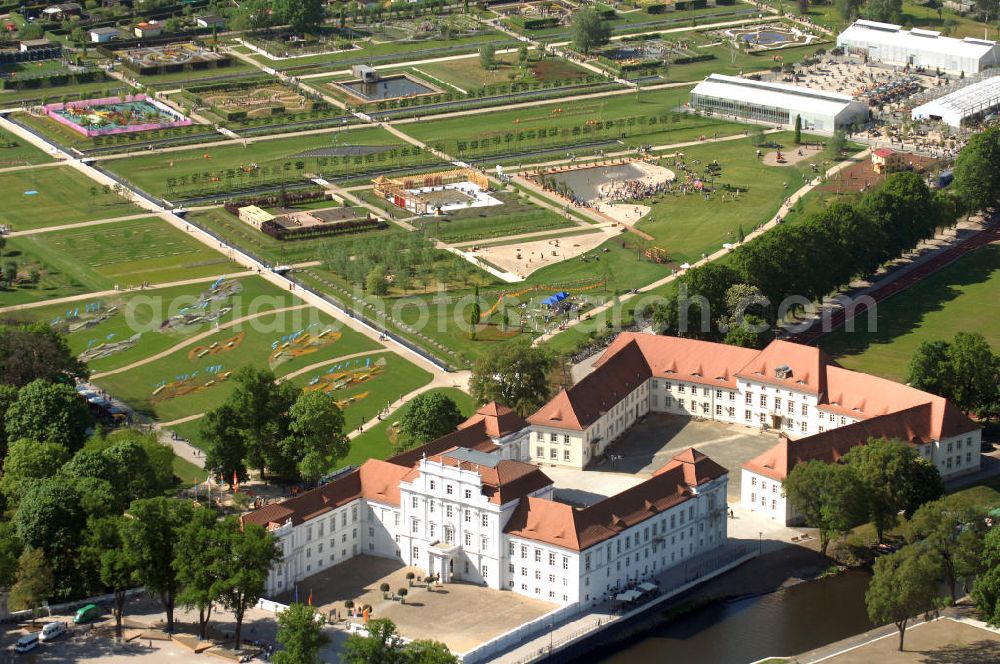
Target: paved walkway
122 291
774 221
190 341
29 167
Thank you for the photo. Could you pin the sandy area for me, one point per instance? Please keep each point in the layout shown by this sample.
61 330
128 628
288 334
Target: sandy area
523 258
625 213
790 156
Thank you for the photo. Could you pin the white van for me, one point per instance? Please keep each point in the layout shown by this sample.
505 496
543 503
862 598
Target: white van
27 643
51 631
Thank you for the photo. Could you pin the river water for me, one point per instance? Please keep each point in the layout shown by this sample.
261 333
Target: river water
782 623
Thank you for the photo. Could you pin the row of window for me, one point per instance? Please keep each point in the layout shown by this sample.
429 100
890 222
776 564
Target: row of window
449 489
553 453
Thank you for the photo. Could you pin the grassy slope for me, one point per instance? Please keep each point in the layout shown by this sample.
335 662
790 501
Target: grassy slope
144 311
123 253
959 298
63 198
136 386
19 151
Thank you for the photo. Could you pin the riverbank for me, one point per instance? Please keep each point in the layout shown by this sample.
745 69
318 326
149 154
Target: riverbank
779 569
954 637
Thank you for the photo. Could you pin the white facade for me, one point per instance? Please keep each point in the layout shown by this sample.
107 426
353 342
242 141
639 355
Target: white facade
446 525
449 527
777 103
888 43
952 457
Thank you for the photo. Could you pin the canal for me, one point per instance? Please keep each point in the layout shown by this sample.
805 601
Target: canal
781 623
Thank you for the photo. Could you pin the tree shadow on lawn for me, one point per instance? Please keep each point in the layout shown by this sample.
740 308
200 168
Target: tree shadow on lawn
971 653
904 312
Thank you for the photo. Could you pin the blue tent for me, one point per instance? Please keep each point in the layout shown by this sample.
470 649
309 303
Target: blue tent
554 299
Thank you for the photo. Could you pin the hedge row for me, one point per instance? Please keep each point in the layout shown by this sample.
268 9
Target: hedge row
535 23
279 232
51 80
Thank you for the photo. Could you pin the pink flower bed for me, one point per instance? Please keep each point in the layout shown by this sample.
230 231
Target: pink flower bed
53 111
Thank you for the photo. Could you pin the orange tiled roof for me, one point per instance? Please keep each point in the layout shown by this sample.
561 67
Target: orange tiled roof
559 524
690 360
582 404
807 367
375 480
913 425
502 483
498 420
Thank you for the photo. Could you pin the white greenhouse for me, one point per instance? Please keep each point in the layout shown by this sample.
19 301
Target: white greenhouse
888 43
777 103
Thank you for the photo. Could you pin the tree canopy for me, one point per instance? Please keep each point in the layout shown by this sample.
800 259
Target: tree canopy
316 437
964 370
300 633
952 530
588 30
30 352
150 539
516 375
977 170
48 411
428 417
893 478
903 585
986 590
249 552
828 495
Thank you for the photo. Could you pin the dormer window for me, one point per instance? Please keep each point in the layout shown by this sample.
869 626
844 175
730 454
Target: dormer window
783 372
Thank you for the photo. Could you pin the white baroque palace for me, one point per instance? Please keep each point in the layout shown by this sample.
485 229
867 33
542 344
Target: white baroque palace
462 508
476 506
819 408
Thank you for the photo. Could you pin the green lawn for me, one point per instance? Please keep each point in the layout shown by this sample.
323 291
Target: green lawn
515 216
688 225
184 370
377 442
64 196
381 53
959 298
125 254
15 151
188 473
144 312
229 167
109 88
360 402
271 250
565 123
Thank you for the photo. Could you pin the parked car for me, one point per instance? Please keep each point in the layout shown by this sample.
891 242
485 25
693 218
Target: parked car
52 631
27 643
87 614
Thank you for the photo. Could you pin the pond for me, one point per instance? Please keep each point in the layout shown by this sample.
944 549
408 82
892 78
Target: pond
390 87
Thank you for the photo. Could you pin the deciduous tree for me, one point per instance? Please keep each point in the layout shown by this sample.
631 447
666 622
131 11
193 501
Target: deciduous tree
248 553
512 374
828 495
316 436
36 351
197 564
427 417
903 585
300 633
34 583
150 540
382 645
27 462
48 411
588 30
986 589
953 528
